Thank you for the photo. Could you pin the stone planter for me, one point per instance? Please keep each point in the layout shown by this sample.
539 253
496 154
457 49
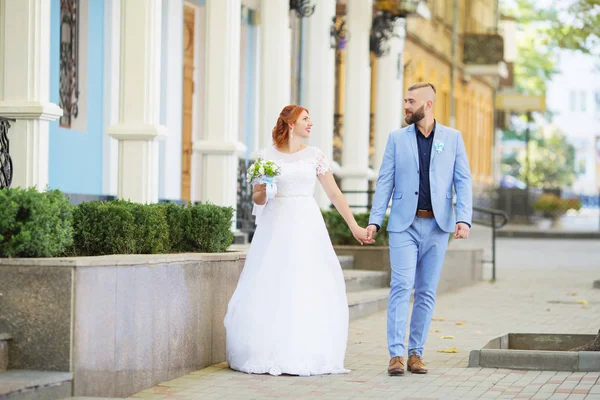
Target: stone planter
120 324
532 351
462 267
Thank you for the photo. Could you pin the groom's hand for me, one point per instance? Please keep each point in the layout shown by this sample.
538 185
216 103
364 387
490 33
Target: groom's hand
371 232
461 231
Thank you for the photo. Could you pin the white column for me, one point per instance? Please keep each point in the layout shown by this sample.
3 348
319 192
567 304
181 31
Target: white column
318 87
24 87
138 129
220 147
355 154
112 62
171 99
390 87
275 77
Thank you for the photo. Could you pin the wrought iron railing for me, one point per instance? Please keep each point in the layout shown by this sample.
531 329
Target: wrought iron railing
6 165
245 219
483 49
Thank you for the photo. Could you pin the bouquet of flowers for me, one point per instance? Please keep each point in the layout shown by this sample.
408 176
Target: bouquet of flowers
264 172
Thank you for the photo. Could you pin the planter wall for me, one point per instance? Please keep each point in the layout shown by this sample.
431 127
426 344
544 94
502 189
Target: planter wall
120 324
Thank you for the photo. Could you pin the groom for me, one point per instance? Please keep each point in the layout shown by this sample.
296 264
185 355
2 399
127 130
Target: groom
420 165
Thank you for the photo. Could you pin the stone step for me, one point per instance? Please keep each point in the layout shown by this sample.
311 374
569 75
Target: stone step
367 302
357 280
4 339
40 385
347 262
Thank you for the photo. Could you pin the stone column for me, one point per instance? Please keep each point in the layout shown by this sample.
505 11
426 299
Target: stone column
390 87
319 82
138 129
24 88
355 154
220 147
275 65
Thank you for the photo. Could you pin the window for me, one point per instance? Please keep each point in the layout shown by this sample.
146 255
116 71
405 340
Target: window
597 101
582 97
573 100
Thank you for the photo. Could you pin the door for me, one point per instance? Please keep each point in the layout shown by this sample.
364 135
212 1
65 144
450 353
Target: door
188 102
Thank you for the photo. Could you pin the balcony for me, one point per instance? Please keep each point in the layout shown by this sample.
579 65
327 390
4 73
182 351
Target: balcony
483 55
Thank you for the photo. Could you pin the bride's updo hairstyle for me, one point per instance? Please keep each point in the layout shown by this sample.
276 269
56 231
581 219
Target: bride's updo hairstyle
289 115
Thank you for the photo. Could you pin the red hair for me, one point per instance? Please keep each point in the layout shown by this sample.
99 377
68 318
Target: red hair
289 115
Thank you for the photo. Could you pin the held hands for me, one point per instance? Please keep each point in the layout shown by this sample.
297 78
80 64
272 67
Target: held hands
461 231
371 232
362 235
259 195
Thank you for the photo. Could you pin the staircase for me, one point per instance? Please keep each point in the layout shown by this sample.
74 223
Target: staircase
29 385
367 291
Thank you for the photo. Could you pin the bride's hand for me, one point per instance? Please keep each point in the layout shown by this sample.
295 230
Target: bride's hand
260 194
360 234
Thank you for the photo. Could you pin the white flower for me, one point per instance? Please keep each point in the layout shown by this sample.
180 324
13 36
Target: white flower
261 170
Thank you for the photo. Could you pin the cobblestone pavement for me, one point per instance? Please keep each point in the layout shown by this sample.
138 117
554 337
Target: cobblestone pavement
542 286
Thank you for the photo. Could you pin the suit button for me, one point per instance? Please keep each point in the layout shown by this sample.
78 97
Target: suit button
417 193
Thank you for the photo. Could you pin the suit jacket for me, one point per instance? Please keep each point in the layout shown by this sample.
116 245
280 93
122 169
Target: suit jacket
399 179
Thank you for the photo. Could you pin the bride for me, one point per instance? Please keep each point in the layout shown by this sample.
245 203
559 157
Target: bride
289 312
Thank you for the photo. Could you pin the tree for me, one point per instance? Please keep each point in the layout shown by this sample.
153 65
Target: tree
577 28
551 160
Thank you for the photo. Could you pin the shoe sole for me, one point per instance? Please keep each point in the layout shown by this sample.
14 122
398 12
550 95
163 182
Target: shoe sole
395 373
417 372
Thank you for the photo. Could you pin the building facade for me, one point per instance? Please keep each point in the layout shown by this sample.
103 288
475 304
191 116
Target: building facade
161 99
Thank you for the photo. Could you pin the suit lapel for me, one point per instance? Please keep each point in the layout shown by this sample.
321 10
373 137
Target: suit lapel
412 139
439 136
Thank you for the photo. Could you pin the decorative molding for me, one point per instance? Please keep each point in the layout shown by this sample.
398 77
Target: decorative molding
137 132
30 110
218 147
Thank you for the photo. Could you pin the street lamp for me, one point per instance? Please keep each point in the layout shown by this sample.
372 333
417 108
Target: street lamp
387 12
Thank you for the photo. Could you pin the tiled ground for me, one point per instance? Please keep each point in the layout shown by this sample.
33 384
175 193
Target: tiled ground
532 276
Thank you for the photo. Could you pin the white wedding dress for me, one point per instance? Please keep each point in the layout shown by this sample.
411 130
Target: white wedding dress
289 312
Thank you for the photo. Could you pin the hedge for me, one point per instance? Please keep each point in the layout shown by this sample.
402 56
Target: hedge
44 224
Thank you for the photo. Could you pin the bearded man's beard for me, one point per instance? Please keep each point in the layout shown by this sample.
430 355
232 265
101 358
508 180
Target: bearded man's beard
416 116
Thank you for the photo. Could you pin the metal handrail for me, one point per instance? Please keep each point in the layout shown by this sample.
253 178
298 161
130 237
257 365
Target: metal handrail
493 214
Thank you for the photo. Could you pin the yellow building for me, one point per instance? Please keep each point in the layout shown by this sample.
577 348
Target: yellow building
429 56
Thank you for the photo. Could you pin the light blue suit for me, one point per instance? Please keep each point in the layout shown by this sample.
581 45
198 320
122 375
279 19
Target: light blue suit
418 245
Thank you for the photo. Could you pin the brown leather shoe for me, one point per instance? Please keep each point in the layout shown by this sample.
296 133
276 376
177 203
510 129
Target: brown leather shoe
416 365
396 366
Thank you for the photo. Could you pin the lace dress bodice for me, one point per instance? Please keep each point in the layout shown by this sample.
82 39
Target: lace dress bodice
299 170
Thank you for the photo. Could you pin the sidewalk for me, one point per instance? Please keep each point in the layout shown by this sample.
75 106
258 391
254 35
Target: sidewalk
530 280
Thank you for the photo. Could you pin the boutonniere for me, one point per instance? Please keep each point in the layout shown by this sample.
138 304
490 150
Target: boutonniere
438 145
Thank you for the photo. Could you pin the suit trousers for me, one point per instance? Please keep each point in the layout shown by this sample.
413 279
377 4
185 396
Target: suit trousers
416 257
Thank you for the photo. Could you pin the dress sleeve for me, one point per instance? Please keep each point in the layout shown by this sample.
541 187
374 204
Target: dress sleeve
322 163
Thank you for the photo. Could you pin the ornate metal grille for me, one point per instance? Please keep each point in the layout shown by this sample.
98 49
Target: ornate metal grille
483 49
69 55
6 167
245 219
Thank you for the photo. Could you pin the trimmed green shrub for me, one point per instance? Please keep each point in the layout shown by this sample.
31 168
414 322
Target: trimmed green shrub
34 224
122 227
340 234
178 221
209 228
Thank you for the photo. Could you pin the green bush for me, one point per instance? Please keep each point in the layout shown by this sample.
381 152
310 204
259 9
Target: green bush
122 227
178 222
208 229
340 234
34 224
552 206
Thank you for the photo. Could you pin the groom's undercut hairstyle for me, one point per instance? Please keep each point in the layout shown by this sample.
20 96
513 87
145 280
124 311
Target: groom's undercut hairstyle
420 85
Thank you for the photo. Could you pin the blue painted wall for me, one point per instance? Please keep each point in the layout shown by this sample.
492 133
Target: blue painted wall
76 157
